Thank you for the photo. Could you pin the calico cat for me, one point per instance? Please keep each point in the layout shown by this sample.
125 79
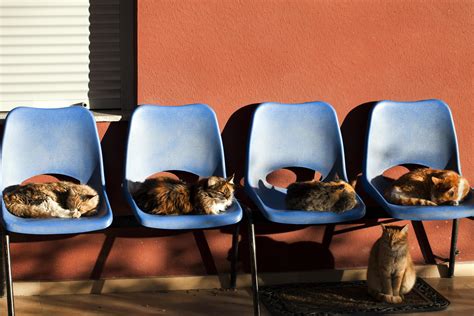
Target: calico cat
55 199
334 196
167 196
428 186
391 272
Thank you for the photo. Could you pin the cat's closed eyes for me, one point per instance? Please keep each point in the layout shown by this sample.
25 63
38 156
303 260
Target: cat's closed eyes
391 272
167 196
55 199
334 196
426 186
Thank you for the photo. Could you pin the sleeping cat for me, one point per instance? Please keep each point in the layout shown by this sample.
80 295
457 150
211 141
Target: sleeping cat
55 199
167 196
428 186
391 273
334 196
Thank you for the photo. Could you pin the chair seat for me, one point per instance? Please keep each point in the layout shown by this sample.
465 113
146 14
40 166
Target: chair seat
231 216
56 226
422 213
271 202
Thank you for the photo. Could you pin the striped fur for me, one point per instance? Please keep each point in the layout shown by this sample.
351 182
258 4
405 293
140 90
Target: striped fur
167 196
428 187
55 199
334 196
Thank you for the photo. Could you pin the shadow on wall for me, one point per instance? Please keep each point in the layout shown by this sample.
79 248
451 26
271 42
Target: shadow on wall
235 137
354 130
281 256
113 152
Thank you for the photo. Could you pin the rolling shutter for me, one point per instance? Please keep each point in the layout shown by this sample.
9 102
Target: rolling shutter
56 53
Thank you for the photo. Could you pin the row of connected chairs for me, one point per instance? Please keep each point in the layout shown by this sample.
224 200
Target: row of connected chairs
307 135
186 138
65 142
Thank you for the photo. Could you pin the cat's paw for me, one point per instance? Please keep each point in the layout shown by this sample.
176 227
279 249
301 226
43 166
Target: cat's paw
75 214
392 299
430 203
396 299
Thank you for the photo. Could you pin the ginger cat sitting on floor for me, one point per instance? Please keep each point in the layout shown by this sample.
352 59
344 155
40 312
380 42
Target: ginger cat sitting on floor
391 272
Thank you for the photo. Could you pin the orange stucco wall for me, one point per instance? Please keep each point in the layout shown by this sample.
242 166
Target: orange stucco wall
233 54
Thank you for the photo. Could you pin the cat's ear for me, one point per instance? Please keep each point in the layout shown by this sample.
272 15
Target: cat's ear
88 197
436 180
231 179
212 181
336 177
383 226
451 192
404 229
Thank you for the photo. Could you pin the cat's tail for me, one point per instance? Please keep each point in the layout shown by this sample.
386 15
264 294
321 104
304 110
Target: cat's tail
395 197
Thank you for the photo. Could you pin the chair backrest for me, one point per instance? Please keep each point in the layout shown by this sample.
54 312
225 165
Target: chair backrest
294 135
185 138
58 141
419 132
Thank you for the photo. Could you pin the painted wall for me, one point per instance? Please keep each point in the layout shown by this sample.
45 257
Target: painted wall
234 54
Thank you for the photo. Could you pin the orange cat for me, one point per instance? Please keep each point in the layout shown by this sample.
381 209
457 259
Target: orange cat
391 273
428 186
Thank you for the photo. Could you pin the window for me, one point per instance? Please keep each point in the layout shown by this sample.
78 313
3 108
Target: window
56 53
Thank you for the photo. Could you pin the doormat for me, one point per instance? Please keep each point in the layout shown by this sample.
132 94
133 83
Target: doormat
344 298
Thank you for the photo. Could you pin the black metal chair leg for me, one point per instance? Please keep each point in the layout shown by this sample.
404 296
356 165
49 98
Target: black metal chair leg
454 252
235 255
8 274
253 262
3 275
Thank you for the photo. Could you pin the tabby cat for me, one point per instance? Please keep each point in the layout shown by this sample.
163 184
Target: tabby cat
55 199
334 196
167 196
391 273
428 186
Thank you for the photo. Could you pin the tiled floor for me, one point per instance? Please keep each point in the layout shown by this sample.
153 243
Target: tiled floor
460 291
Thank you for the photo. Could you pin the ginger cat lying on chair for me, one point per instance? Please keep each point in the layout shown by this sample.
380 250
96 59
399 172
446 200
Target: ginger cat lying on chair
428 186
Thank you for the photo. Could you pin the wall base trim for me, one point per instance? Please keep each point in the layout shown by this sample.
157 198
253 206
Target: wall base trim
123 285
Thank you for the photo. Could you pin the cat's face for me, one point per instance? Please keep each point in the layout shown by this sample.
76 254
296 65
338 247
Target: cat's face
84 200
221 189
395 236
448 189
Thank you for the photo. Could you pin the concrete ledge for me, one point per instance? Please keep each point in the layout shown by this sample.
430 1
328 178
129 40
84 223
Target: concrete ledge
99 115
212 281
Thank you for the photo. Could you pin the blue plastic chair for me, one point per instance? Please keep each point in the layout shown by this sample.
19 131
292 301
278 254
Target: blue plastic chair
419 133
294 135
184 138
51 141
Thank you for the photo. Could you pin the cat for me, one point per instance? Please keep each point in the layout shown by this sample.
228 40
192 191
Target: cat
334 196
426 186
167 196
61 199
391 272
